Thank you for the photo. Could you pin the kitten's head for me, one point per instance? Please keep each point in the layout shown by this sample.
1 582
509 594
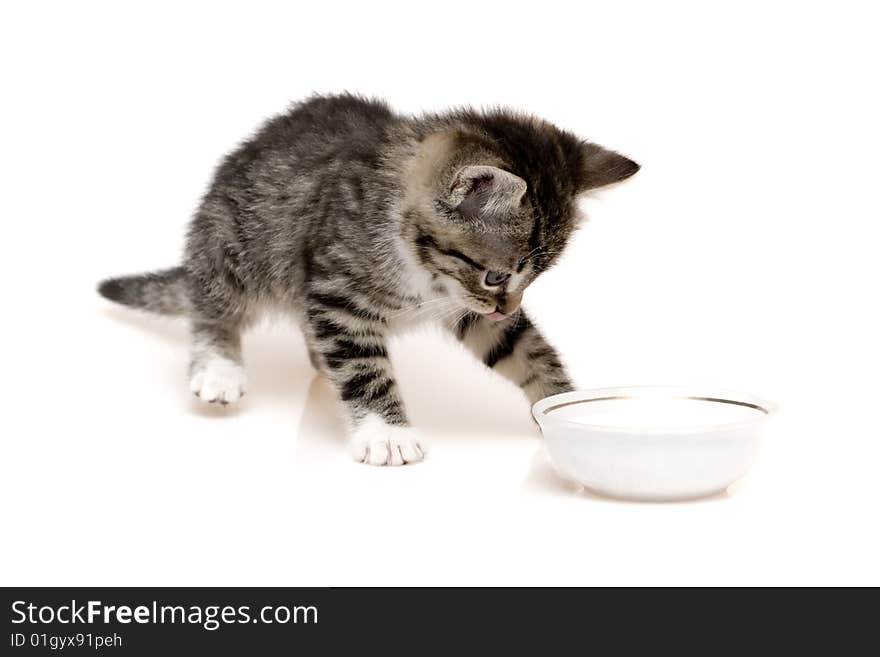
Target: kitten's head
492 202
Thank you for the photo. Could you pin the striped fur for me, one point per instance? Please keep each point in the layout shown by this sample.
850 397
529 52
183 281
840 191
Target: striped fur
362 222
515 349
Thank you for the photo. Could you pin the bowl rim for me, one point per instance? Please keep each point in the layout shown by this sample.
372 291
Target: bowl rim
541 410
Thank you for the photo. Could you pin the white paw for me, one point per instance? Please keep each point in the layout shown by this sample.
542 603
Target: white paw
219 381
375 442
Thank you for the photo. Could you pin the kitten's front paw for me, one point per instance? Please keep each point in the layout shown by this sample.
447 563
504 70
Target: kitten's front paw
377 443
219 381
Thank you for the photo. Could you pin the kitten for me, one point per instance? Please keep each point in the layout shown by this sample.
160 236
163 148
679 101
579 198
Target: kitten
360 221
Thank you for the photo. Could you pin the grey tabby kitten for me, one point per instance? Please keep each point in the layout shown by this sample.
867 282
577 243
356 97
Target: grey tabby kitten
359 221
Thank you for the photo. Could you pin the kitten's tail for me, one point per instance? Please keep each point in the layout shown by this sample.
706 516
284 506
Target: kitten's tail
162 292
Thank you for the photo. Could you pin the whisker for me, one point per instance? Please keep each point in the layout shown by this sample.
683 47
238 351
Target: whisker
419 306
431 310
539 252
442 314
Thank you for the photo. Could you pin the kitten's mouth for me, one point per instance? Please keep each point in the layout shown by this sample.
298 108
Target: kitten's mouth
495 316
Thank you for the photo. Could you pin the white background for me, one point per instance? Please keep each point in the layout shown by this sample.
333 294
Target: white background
744 254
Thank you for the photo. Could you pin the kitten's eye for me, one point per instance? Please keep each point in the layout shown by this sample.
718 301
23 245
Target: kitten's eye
461 256
494 278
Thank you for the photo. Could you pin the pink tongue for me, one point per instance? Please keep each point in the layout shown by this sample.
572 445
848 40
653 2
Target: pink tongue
495 316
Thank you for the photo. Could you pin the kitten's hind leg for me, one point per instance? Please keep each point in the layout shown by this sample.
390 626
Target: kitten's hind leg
216 370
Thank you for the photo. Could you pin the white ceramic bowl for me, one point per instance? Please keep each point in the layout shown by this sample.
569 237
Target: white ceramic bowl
652 443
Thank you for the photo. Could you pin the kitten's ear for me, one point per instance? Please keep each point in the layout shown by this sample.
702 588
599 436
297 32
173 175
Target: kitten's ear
602 167
484 190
